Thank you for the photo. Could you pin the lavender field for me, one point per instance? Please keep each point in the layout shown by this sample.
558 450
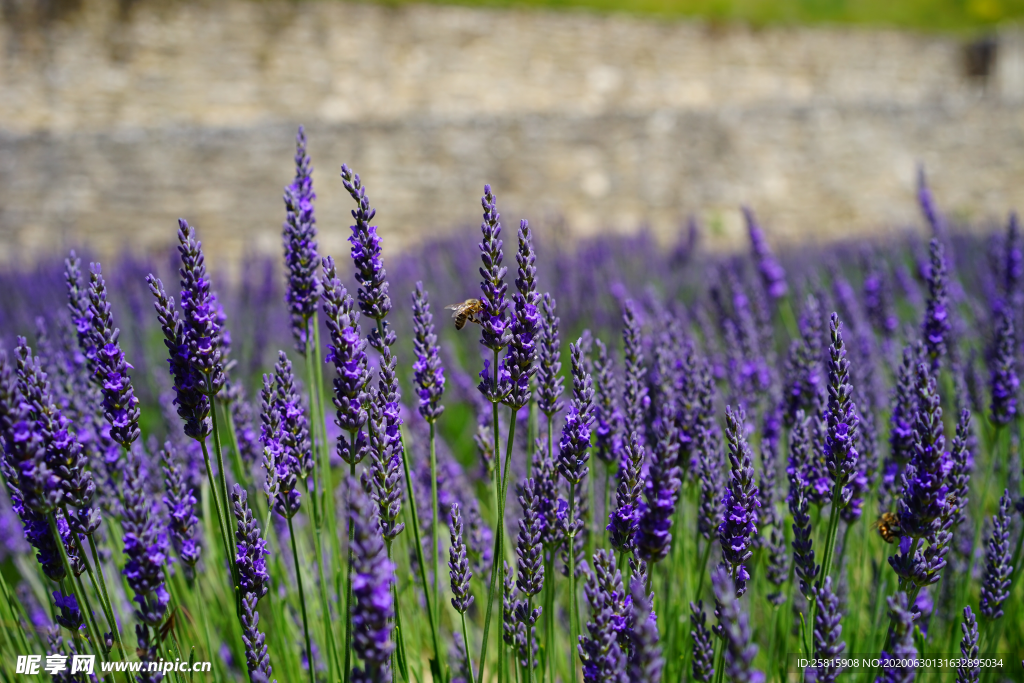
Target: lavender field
632 462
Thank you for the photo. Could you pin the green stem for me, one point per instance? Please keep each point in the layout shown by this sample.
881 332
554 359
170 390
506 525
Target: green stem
94 632
549 616
222 473
419 555
101 590
703 569
498 531
830 545
302 603
465 644
217 506
15 626
435 528
348 581
573 620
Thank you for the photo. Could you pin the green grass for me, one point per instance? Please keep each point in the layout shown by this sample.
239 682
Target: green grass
931 15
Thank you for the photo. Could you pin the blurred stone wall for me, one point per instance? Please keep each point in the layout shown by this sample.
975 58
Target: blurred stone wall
116 118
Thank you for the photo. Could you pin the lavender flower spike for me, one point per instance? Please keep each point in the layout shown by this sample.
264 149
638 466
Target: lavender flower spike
253 576
573 455
736 531
202 330
372 577
429 375
347 351
146 547
840 440
300 258
603 660
773 277
120 405
995 585
827 632
661 490
935 329
924 481
1005 383
549 367
634 395
193 406
496 332
703 670
519 359
902 616
372 296
625 518
734 628
529 552
458 565
645 662
608 419
180 505
968 673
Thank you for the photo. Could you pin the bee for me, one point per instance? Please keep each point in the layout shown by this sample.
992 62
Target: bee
888 526
465 311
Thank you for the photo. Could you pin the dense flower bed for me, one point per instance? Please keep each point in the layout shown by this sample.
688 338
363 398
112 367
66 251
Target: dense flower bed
809 458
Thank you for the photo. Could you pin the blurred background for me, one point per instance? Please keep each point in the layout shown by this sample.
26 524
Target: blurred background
587 117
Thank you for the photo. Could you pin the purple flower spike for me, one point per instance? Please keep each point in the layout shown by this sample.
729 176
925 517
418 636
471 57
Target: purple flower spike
372 577
572 451
902 638
347 351
799 506
372 296
624 520
995 586
529 552
549 367
1013 261
828 630
110 369
703 669
69 615
737 529
193 406
609 445
926 201
901 423
429 374
458 565
1003 373
519 359
385 471
773 277
734 628
936 327
803 373
180 503
840 440
603 660
634 395
708 473
300 258
294 424
252 550
924 488
145 544
661 490
257 662
202 329
968 673
495 330
645 662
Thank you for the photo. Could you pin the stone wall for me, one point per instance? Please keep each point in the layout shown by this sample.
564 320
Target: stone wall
115 122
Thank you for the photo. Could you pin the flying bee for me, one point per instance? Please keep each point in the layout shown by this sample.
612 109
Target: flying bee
888 526
465 311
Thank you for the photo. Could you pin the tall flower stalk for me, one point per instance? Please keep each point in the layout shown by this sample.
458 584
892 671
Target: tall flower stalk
572 465
429 377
